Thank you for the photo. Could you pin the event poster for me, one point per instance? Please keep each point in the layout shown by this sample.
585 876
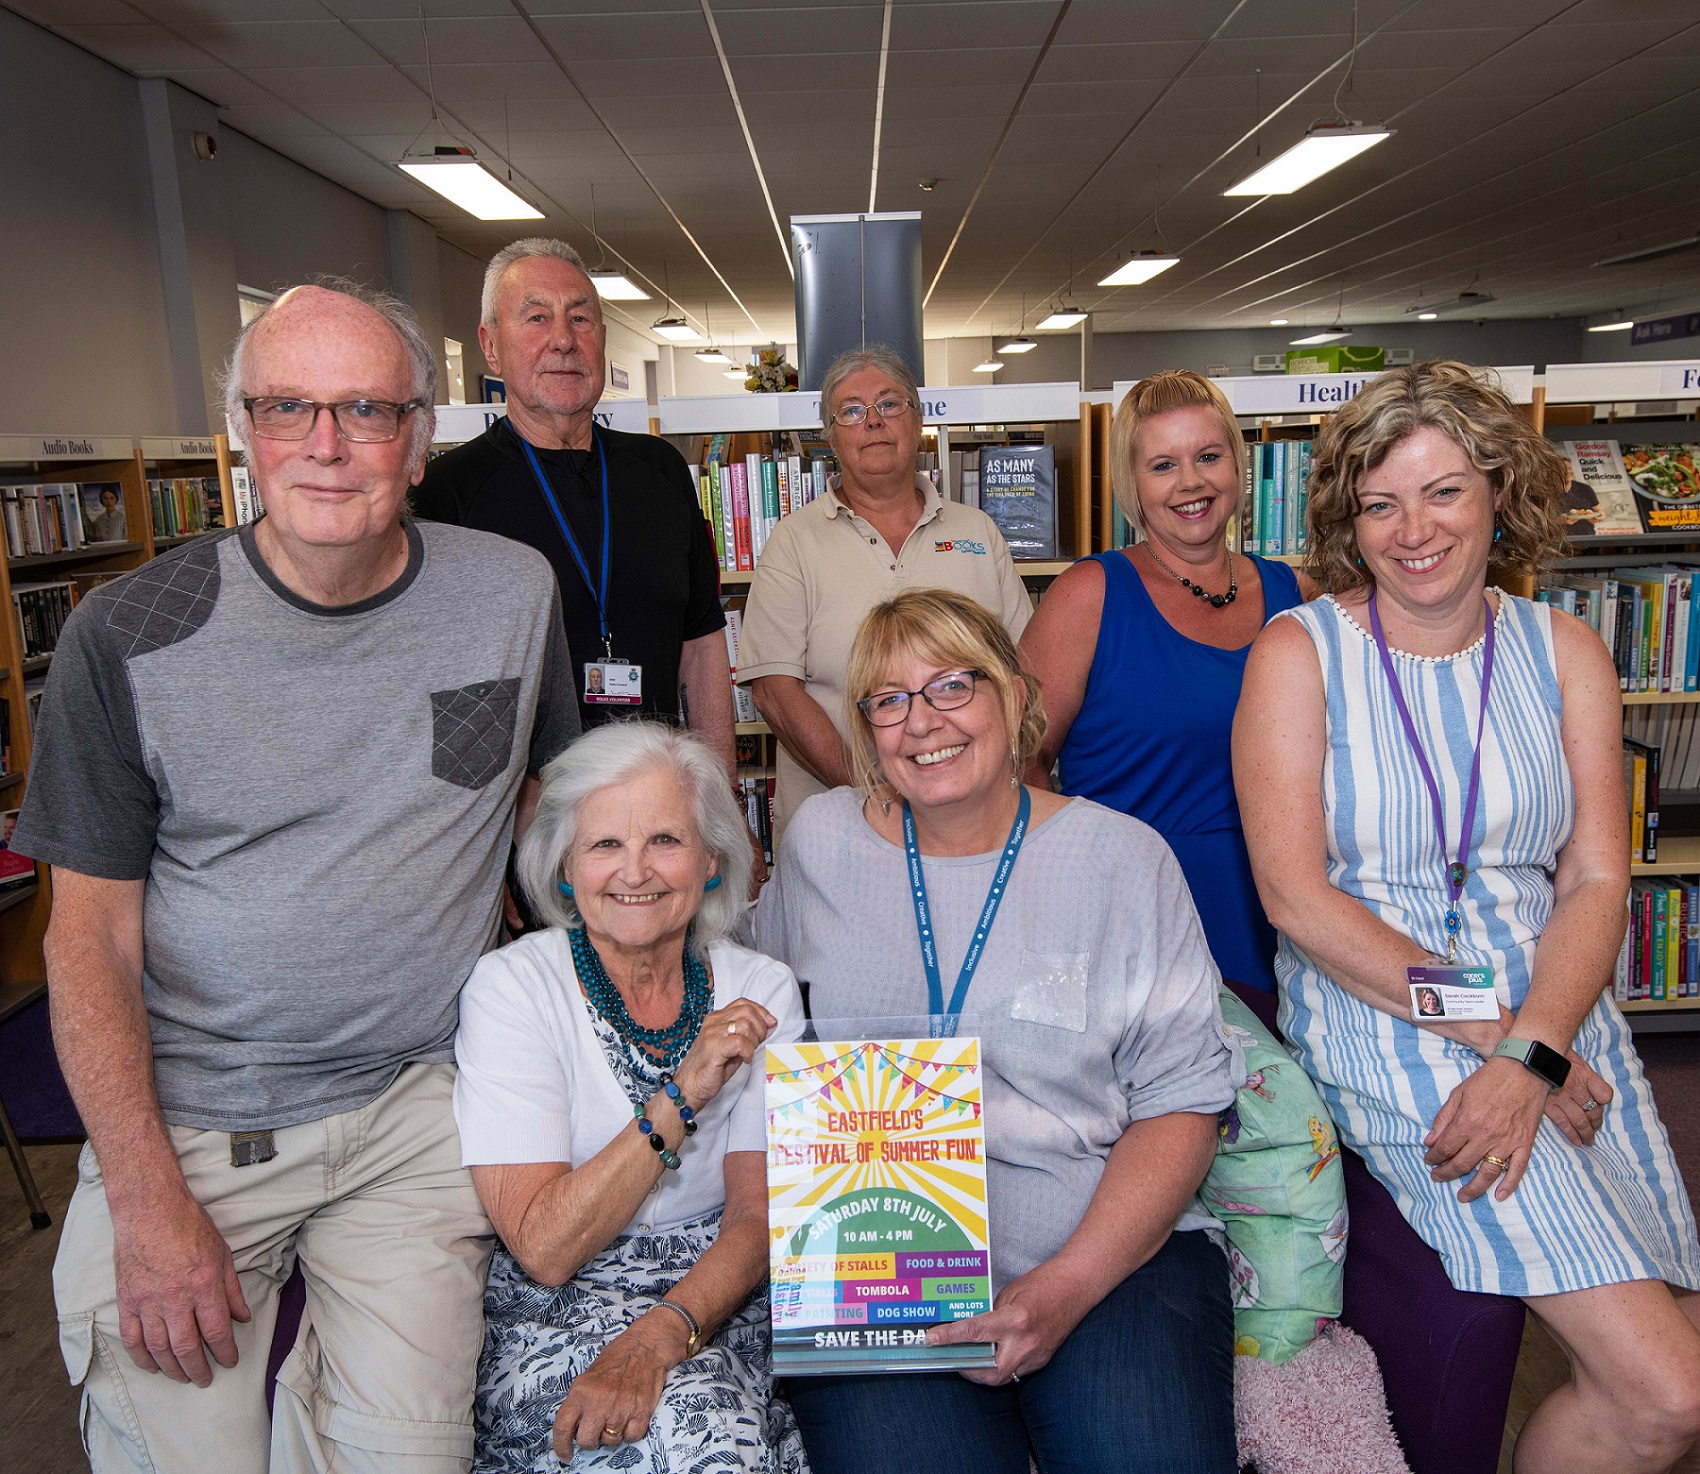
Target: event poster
876 1181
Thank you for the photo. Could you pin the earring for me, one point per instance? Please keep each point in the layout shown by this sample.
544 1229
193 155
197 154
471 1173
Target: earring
713 884
1498 532
565 888
1360 560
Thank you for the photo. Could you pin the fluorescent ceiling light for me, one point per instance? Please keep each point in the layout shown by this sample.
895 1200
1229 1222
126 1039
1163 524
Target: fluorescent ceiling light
1612 327
1651 253
1017 345
1063 317
675 330
712 354
1324 337
1427 316
1277 322
611 286
1140 269
737 373
987 366
1325 146
460 179
1431 309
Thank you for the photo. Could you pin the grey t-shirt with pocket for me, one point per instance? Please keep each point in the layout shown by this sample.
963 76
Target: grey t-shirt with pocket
1094 999
320 800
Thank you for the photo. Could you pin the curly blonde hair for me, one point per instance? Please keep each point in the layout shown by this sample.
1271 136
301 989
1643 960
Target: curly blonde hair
1157 394
1468 407
951 630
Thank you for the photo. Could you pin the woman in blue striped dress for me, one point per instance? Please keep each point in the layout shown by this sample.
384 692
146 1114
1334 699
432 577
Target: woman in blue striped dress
1524 1147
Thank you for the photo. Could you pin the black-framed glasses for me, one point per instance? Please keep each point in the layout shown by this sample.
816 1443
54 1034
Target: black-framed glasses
284 417
887 409
942 693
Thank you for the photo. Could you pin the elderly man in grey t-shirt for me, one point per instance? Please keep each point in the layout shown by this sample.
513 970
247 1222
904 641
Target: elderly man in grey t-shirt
276 775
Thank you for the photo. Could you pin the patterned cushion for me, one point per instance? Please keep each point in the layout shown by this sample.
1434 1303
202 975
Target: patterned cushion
1279 1189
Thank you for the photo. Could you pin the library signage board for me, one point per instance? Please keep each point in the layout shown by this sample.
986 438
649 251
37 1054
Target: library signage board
1664 329
179 447
458 423
877 1217
962 404
66 447
1300 394
1609 383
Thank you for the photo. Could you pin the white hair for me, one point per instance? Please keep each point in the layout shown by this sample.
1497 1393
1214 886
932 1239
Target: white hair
421 424
606 757
524 250
872 356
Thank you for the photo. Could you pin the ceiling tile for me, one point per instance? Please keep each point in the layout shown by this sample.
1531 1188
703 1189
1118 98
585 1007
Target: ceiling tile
145 49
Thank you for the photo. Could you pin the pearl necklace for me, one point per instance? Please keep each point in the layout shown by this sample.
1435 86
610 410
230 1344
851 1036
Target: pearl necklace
1216 601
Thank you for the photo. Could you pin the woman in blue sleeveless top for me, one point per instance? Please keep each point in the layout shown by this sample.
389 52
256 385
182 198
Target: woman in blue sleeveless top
1141 653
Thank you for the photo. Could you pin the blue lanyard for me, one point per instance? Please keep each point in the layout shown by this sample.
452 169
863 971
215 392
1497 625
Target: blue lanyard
1458 870
988 913
597 592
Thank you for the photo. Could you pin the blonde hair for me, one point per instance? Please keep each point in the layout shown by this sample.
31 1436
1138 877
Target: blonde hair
1157 395
952 630
1468 407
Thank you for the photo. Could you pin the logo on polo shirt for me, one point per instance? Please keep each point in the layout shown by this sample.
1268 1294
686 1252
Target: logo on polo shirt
960 545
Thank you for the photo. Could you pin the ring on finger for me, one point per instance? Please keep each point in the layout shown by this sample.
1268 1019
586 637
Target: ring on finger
610 1432
1590 1104
1499 1162
731 1028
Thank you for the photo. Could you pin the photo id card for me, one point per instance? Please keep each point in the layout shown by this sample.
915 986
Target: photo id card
1452 994
612 683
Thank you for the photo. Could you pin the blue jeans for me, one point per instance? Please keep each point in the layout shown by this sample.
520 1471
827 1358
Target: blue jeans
1144 1383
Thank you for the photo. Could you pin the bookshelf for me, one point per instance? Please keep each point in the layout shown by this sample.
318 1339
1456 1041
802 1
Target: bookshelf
179 458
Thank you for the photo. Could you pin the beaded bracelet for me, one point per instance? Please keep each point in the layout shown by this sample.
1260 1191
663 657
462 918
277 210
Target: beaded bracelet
671 1090
669 1158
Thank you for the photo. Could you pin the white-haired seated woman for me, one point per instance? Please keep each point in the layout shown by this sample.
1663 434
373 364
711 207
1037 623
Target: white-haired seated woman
614 1128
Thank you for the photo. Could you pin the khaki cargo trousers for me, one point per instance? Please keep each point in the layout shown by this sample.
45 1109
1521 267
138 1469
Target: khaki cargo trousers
393 1246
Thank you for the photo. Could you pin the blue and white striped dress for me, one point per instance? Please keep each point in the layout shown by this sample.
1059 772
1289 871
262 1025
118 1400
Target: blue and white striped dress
1604 1214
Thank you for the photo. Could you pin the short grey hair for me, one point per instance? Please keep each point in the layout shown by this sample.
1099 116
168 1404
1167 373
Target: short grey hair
421 424
524 250
872 356
606 757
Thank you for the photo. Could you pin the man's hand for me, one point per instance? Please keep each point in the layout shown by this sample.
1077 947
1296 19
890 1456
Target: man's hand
177 1288
758 873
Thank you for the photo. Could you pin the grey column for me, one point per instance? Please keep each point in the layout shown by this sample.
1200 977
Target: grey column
197 259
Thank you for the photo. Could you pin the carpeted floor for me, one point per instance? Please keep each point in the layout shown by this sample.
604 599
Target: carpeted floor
38 1409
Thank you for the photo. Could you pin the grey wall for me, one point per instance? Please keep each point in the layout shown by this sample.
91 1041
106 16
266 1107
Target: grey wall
80 287
120 251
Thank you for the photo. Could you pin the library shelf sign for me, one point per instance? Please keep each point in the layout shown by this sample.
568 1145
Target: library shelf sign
877 1227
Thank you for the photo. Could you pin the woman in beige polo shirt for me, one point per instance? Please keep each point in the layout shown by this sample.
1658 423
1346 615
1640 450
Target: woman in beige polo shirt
880 529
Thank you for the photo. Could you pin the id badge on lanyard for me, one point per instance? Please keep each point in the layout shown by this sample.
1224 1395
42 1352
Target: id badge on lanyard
609 681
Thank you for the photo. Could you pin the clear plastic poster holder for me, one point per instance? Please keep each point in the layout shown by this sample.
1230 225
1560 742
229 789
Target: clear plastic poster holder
876 1170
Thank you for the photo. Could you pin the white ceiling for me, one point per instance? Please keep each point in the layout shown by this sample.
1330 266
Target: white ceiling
1534 136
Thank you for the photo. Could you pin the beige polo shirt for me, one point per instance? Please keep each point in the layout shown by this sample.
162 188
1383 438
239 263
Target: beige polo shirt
821 572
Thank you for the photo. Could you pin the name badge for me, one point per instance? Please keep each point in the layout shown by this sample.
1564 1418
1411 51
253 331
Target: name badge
612 683
1452 994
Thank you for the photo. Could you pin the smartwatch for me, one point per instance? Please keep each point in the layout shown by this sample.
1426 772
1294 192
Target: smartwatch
1549 1064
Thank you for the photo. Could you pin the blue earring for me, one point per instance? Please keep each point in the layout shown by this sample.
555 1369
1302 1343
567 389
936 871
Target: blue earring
1498 532
713 883
565 888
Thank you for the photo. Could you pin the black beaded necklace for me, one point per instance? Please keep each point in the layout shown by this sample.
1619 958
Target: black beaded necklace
1216 601
663 1047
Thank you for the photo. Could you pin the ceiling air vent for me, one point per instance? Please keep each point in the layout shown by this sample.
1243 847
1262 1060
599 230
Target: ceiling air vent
1399 357
1269 363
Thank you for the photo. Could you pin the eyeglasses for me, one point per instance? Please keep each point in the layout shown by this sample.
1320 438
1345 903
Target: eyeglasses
942 693
886 409
279 417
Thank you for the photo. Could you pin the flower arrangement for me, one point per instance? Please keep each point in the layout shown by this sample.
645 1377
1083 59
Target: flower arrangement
770 373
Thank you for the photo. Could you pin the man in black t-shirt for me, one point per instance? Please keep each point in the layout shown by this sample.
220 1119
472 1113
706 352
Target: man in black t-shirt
639 590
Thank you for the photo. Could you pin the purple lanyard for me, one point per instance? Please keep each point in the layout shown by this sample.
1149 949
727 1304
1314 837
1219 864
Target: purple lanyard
1455 872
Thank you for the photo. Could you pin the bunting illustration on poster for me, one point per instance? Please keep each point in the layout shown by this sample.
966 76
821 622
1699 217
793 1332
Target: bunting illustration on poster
876 1203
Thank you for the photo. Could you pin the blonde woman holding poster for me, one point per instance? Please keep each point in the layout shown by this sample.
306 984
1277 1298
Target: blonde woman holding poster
1062 935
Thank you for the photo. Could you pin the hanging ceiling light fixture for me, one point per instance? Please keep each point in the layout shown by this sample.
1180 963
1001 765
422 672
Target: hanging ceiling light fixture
1019 343
1143 265
1063 315
1617 323
1328 335
710 354
1325 146
672 325
611 286
453 170
987 365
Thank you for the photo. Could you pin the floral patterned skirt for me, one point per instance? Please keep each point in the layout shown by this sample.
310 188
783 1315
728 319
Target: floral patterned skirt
718 1411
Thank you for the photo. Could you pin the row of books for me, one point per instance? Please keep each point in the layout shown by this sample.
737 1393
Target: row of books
1641 764
1674 733
1626 490
1277 495
42 609
743 703
185 505
1643 615
1660 956
60 517
743 500
756 786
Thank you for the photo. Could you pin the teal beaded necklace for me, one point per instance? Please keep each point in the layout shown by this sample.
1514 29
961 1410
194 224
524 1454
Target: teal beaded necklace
662 1047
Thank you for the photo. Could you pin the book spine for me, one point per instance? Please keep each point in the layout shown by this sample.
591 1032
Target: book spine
1650 833
1691 938
1637 806
799 486
1620 971
1273 532
741 518
1646 901
723 508
1290 501
770 504
1660 899
758 505
1265 493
